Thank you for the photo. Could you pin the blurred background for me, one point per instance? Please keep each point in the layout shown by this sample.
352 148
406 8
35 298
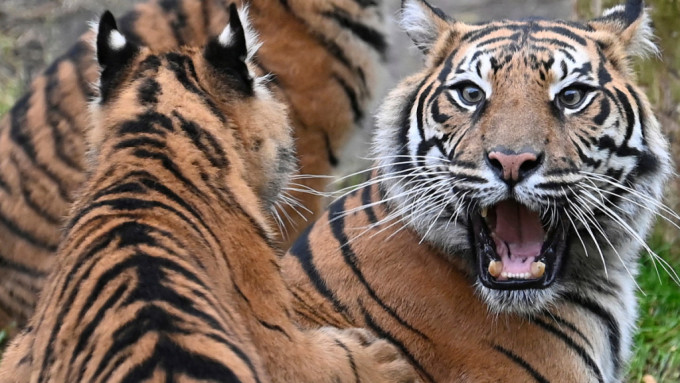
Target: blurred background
35 32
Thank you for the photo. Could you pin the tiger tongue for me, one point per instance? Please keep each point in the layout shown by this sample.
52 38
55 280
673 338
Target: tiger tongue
518 232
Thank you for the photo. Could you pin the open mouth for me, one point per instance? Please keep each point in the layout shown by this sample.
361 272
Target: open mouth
515 249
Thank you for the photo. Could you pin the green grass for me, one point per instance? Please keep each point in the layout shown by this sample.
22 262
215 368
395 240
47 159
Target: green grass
657 342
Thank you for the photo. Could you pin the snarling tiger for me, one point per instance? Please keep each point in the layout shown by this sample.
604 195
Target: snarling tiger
324 54
168 271
517 176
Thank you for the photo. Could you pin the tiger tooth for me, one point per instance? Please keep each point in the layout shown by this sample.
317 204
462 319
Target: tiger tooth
537 269
484 212
495 268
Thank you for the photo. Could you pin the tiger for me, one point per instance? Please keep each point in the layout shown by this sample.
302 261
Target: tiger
516 177
324 55
168 269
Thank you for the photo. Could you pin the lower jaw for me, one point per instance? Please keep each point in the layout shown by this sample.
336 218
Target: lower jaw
518 302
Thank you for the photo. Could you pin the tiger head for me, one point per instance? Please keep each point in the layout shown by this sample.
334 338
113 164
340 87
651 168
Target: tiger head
216 95
526 148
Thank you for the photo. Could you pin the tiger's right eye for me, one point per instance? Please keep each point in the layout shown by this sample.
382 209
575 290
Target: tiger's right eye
469 94
472 94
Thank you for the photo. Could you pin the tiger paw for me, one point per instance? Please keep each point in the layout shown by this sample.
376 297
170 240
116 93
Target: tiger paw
372 359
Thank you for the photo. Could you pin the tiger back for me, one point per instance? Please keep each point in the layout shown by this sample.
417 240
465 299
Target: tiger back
324 56
168 270
517 176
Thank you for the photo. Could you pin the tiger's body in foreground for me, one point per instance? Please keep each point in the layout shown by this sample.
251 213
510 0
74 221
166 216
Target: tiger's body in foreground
518 174
324 55
168 269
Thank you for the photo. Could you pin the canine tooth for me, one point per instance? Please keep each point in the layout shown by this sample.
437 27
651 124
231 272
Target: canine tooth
484 212
495 268
537 269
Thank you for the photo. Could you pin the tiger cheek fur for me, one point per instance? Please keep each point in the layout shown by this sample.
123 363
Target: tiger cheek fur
517 177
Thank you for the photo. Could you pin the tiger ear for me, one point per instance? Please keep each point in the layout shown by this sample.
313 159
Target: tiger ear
423 23
630 25
114 51
229 52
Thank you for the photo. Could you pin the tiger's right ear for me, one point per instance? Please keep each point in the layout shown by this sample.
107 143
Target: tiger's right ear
229 52
114 52
423 23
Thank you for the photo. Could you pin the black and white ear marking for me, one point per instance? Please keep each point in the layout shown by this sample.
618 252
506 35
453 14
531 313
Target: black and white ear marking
229 52
114 52
113 49
422 22
631 24
233 36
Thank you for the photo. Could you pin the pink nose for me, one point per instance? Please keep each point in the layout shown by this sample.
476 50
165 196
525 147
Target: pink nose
514 167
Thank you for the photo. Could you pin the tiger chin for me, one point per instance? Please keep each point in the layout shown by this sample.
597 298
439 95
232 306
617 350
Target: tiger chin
168 268
543 159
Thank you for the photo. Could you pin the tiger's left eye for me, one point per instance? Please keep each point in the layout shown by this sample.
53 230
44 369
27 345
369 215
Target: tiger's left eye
571 97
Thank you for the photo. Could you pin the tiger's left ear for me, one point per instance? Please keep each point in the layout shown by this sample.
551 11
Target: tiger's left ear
114 52
629 25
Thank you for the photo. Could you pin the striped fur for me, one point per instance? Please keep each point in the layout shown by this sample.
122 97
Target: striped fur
168 269
404 255
324 56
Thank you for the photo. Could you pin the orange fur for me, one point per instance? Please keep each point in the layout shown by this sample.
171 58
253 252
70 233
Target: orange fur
42 146
168 269
409 254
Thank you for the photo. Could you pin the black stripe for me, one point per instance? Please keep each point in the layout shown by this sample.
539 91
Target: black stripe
382 333
367 34
56 116
39 210
352 364
630 114
613 331
404 127
21 137
330 46
570 326
332 159
580 351
7 264
367 200
139 141
337 224
302 251
521 362
176 18
351 97
183 67
168 356
26 235
203 140
274 327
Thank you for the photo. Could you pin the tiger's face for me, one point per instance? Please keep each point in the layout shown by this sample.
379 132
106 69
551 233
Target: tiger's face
526 147
214 94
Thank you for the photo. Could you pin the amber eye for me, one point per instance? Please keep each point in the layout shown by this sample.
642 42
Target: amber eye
570 97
